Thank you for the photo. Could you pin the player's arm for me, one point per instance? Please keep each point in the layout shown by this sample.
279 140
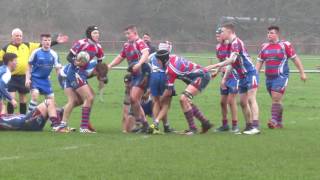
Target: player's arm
29 68
297 62
143 59
228 61
71 57
6 94
116 61
259 64
225 76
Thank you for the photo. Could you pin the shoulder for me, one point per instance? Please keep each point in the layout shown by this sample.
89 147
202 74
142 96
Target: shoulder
53 53
5 47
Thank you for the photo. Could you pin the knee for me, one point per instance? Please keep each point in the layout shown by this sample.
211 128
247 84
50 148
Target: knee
183 99
223 103
243 104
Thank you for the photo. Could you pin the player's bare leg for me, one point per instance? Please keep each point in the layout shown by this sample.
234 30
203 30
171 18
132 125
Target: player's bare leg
254 107
244 103
232 102
136 94
276 110
191 111
87 97
224 114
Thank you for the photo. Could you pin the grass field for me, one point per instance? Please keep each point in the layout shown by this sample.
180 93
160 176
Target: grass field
291 153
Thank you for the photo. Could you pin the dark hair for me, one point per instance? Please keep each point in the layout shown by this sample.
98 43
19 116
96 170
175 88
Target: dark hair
276 28
47 35
131 27
7 57
229 26
146 34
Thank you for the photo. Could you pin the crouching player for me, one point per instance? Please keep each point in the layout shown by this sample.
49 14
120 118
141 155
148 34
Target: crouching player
228 90
240 61
275 54
196 78
41 63
158 80
9 65
32 121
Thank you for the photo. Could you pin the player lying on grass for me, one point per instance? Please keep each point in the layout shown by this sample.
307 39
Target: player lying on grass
196 77
9 65
34 120
240 61
77 75
92 69
41 63
157 85
228 89
276 54
136 52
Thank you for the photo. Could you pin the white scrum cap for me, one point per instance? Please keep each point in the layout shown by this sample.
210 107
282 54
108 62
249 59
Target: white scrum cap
165 46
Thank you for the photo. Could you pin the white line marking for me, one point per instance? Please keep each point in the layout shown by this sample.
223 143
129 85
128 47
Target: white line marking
9 158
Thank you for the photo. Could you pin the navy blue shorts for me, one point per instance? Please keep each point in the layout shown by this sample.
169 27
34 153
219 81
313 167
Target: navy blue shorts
277 84
200 79
17 84
141 79
157 83
251 81
232 87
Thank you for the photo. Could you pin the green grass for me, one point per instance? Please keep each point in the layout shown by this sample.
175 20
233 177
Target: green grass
291 153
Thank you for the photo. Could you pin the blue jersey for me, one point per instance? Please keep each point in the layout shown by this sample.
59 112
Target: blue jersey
43 62
5 76
156 67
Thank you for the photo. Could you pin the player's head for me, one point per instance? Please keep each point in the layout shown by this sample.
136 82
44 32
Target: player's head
16 36
163 56
218 35
93 33
273 33
131 32
146 37
227 31
10 60
82 58
167 45
45 41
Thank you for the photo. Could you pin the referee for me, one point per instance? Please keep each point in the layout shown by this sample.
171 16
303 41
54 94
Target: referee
23 51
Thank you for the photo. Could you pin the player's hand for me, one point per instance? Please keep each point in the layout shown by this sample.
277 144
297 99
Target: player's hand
14 103
62 38
136 67
303 77
223 84
28 83
214 66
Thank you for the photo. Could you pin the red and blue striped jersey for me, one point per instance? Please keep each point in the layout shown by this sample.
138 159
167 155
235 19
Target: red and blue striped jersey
243 64
92 48
180 68
275 56
132 51
222 53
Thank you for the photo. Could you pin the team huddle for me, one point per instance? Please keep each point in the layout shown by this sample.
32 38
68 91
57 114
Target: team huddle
149 84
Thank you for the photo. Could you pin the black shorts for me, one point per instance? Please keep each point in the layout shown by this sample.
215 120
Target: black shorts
17 83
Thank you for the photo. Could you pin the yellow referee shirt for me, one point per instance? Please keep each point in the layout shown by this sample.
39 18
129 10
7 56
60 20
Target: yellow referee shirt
23 51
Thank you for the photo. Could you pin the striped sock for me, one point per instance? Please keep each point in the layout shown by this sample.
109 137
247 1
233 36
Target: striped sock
54 121
234 123
255 123
32 105
280 114
275 111
224 122
85 117
198 114
189 117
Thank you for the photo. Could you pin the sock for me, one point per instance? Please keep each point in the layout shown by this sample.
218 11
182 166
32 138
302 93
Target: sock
234 123
280 114
32 105
23 108
224 122
248 125
54 121
189 117
198 114
275 111
10 108
255 123
156 122
85 117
